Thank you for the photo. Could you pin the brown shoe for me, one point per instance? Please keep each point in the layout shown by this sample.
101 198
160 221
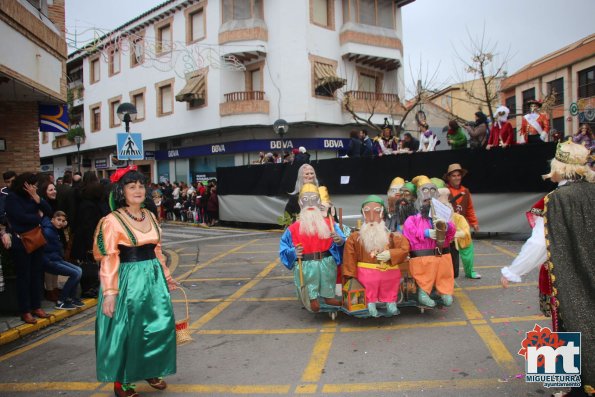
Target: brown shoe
119 392
40 313
157 383
28 318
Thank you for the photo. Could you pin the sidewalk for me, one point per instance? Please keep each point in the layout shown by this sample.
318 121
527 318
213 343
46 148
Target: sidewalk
13 328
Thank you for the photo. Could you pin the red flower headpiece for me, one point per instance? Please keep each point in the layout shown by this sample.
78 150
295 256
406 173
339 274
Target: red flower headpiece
120 173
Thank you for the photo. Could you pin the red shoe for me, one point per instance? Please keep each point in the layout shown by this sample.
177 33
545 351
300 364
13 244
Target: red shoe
157 383
28 318
120 392
40 313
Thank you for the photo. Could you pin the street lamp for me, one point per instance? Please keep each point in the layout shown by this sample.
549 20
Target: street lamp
78 139
126 113
281 127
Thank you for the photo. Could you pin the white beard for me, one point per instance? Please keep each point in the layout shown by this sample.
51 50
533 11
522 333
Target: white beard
374 237
312 223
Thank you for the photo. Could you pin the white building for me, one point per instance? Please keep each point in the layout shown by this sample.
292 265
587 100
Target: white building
209 79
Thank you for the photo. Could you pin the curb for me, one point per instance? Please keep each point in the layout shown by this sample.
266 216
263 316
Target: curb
55 316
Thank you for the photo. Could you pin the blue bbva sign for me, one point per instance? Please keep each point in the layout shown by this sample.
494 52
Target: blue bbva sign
258 145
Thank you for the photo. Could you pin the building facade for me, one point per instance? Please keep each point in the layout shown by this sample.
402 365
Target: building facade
209 78
32 72
570 73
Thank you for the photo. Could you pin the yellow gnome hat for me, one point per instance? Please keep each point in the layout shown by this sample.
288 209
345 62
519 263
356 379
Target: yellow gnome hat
397 182
421 180
309 188
324 196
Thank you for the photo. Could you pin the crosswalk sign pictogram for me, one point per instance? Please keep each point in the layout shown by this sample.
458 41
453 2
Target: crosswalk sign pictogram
130 146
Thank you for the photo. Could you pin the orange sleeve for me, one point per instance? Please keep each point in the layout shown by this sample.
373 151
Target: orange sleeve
105 249
546 123
523 126
470 214
399 249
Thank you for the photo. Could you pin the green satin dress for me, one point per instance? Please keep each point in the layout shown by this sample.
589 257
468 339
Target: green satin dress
139 341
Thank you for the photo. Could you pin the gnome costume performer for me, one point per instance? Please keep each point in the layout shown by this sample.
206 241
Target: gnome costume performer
400 197
315 240
372 255
430 263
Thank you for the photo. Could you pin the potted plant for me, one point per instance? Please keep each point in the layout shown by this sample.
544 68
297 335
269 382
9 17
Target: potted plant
77 130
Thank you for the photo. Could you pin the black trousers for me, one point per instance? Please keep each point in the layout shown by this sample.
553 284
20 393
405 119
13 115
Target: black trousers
454 253
29 270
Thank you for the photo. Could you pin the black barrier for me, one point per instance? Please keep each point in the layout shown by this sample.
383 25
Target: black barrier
517 169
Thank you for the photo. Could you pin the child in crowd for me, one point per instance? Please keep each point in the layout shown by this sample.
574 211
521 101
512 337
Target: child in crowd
54 263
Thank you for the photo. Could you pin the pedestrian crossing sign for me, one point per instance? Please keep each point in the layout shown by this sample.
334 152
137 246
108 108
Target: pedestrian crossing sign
130 146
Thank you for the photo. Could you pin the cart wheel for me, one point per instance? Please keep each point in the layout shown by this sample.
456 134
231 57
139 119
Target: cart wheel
333 315
422 310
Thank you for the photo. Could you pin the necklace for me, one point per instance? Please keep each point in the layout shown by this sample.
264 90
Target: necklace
142 218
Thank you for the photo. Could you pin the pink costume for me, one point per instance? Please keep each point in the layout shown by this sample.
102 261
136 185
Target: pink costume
427 268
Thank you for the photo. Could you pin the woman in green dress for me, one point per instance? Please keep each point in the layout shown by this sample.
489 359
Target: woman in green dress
135 328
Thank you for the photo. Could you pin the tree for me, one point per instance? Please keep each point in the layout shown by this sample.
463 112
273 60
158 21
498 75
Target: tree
484 64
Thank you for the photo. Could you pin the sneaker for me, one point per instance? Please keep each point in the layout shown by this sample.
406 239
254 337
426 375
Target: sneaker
77 302
64 306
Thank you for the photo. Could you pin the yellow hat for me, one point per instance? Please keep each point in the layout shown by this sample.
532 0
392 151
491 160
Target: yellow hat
421 180
324 196
397 182
309 188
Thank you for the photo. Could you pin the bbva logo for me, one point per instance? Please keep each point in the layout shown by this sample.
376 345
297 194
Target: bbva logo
217 148
333 144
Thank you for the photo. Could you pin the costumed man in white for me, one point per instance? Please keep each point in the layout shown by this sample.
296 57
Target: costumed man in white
535 125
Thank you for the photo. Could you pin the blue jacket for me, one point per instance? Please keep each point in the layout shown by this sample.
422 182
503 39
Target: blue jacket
23 213
53 250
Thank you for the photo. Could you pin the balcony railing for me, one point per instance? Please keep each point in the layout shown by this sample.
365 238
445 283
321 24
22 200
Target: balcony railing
244 96
372 96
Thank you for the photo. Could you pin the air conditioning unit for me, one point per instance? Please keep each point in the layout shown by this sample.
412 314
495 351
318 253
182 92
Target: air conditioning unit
46 167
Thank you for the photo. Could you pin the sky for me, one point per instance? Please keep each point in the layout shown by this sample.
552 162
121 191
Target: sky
436 33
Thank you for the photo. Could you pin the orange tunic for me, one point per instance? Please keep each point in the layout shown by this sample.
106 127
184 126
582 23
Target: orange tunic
112 234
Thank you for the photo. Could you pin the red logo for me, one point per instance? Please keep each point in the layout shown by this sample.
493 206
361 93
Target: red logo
540 337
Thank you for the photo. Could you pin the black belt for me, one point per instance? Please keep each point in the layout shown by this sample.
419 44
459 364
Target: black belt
433 252
315 255
136 254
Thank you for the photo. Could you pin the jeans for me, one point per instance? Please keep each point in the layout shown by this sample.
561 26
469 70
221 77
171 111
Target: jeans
29 276
63 268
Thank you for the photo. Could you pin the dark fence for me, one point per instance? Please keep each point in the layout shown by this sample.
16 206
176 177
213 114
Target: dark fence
514 170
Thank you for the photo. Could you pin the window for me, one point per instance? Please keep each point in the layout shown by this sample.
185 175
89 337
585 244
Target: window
113 103
586 83
558 125
322 13
165 98
44 137
366 83
114 62
137 98
137 53
325 80
241 9
511 104
195 24
528 95
370 12
94 70
95 111
253 75
163 36
194 93
557 86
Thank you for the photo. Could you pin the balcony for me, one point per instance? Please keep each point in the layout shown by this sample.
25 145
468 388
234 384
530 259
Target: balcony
371 46
372 102
243 102
62 141
76 93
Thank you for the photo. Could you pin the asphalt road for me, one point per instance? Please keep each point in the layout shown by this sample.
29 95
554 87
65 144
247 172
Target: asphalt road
252 337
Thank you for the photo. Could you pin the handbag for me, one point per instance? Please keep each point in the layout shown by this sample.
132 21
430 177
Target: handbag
33 239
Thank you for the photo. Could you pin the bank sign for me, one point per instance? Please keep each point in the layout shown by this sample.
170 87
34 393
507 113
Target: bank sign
257 145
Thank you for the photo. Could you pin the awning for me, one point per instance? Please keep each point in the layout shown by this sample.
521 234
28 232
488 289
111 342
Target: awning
194 90
325 76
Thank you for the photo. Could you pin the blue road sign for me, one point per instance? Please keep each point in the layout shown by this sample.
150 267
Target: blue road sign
130 146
